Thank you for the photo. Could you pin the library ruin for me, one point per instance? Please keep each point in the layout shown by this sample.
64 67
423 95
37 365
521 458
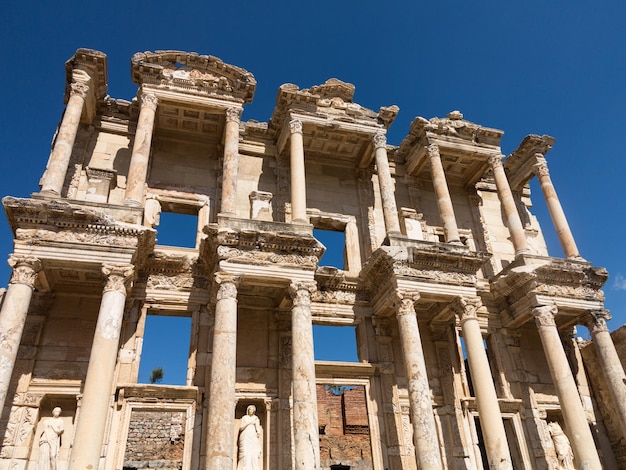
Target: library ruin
464 323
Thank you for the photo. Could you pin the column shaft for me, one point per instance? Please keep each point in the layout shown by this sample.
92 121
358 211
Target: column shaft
556 211
231 161
513 220
298 178
305 422
98 385
64 142
609 362
494 435
385 182
221 415
138 170
13 316
576 425
444 201
425 439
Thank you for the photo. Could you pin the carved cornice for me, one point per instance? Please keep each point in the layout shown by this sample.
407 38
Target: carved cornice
166 271
25 269
519 165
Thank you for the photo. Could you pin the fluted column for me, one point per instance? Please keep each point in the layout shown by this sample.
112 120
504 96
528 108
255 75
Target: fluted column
554 207
491 423
305 422
98 386
422 417
298 178
513 221
387 193
221 415
576 425
444 201
138 169
231 161
13 315
609 361
64 142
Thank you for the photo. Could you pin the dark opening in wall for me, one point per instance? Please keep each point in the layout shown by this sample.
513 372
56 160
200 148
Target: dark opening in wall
177 229
166 347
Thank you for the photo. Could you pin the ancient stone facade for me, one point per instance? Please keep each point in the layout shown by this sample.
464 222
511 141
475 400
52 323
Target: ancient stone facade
463 320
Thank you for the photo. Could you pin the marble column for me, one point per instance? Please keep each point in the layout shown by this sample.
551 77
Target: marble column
444 201
99 383
576 425
305 422
494 435
13 315
554 208
609 361
64 142
221 413
231 161
138 169
387 193
298 179
513 220
422 416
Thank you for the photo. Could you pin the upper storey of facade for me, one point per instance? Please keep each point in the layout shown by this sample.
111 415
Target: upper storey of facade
444 210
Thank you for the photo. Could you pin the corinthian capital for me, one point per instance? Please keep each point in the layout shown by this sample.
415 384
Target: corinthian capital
495 161
379 140
466 308
25 269
233 114
541 167
596 322
117 277
544 315
300 292
405 302
295 126
433 151
79 88
228 284
150 101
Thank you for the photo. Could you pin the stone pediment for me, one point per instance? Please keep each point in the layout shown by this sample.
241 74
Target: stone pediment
189 72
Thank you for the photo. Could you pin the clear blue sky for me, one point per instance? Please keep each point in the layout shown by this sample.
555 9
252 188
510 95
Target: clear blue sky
556 68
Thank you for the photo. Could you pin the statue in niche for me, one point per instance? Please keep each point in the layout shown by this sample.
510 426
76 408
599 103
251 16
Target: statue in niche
249 457
562 446
50 441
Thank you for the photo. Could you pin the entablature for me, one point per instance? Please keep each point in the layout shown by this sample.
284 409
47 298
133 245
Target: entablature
520 164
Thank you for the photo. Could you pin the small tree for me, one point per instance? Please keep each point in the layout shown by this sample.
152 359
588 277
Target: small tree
156 376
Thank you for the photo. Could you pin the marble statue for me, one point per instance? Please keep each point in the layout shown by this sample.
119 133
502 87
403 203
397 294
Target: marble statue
249 441
50 441
562 446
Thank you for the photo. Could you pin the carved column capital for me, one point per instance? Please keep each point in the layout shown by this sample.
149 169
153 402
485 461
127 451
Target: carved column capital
150 101
300 292
117 277
404 302
433 151
227 285
596 321
544 315
379 140
541 167
466 308
233 114
25 269
295 126
79 88
495 161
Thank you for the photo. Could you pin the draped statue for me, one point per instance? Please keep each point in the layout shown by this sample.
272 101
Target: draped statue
249 457
50 441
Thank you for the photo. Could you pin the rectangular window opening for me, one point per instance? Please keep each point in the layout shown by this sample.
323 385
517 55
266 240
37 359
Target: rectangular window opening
335 243
178 229
335 343
165 350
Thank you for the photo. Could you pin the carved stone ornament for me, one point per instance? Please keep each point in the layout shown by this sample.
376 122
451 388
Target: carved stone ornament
596 322
295 126
466 308
227 285
496 161
116 277
405 302
300 292
149 101
79 88
379 140
233 114
334 297
433 151
25 270
544 315
541 167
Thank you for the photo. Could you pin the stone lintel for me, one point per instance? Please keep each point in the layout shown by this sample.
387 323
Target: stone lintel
519 165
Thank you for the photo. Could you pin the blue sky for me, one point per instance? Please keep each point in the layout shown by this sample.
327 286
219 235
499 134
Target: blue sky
556 68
